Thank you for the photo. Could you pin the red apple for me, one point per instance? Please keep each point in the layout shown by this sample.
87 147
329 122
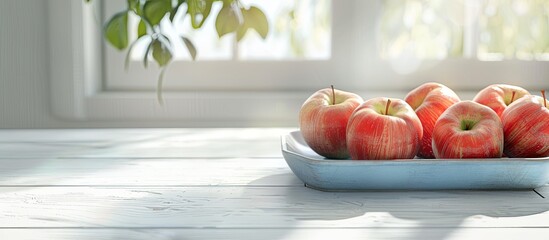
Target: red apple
429 101
499 96
526 128
323 121
468 130
383 128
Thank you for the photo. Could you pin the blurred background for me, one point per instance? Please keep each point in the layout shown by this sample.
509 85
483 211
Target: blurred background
57 70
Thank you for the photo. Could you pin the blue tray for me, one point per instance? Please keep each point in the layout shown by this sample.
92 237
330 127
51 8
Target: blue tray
411 174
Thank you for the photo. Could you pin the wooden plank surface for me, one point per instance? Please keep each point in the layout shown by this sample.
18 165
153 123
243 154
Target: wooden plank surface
221 184
146 172
178 143
543 192
265 207
198 149
138 134
282 234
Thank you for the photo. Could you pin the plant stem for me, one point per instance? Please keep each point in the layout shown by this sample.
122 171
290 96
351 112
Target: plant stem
544 101
387 106
512 97
333 95
159 86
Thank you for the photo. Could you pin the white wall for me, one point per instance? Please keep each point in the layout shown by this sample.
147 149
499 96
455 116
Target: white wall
24 69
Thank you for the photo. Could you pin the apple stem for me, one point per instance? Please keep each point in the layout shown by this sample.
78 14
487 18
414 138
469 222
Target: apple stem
544 101
512 97
387 106
333 95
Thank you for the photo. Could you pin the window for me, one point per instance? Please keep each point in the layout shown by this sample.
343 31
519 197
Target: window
299 41
488 30
375 48
299 30
400 42
524 34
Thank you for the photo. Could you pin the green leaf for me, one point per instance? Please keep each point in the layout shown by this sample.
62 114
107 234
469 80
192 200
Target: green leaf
141 29
146 57
161 52
241 32
243 29
130 49
227 21
164 38
256 19
134 5
155 10
190 47
174 10
127 59
199 11
116 30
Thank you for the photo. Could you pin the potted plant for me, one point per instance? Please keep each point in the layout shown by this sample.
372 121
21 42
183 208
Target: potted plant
233 17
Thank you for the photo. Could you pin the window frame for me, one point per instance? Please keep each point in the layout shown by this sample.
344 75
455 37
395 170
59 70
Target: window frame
78 87
77 93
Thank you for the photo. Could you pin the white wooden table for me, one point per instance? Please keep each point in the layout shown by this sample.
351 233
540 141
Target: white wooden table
222 184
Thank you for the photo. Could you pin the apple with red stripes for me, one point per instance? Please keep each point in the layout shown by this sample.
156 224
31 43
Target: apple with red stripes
499 96
323 121
429 101
526 127
468 130
383 128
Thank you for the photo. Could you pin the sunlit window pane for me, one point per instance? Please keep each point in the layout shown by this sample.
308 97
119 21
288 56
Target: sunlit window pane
297 30
491 29
209 46
514 29
425 29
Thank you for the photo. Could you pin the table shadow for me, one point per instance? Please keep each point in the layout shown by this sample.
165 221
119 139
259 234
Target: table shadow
443 211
